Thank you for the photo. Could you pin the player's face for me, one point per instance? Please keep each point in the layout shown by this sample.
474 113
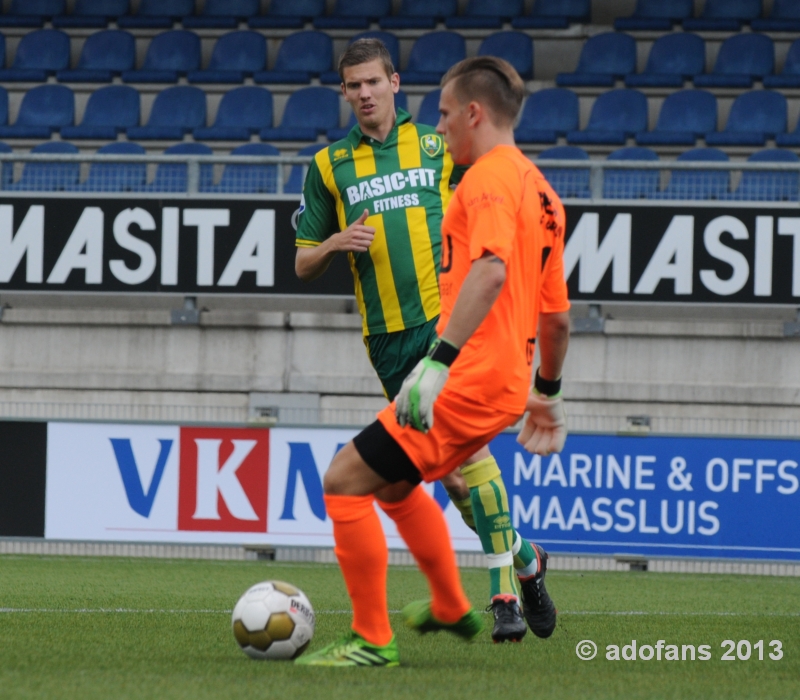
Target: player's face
454 126
370 93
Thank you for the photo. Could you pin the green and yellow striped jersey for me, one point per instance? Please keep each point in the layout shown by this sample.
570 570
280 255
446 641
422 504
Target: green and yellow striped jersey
404 183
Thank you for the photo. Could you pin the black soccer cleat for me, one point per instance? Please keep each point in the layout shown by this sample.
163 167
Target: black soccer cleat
508 623
539 609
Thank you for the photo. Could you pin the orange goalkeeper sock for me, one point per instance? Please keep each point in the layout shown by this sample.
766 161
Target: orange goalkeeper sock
363 557
421 524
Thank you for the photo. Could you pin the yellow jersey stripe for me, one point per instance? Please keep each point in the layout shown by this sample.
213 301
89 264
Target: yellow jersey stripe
303 243
364 160
444 183
379 252
323 160
408 146
423 260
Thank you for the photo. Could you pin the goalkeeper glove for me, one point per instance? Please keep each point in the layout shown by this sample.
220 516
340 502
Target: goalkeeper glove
414 402
545 427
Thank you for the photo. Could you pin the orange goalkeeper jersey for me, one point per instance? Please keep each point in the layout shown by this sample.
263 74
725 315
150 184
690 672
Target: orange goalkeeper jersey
503 206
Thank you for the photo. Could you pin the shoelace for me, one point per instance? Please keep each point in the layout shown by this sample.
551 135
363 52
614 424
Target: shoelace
503 611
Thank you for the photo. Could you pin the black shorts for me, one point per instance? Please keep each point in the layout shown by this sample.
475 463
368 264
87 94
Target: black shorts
384 455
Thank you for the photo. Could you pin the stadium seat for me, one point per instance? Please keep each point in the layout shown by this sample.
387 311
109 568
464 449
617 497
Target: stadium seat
169 55
235 56
173 177
555 14
790 77
93 14
32 13
698 184
616 115
354 14
769 185
48 177
655 15
242 112
115 177
685 116
724 16
104 55
43 110
785 17
7 170
400 102
249 178
741 59
176 111
308 113
288 14
486 14
567 182
630 184
301 56
546 115
432 56
391 43
109 111
514 47
222 14
675 57
39 54
294 183
420 14
157 14
2 50
604 59
429 109
3 106
754 117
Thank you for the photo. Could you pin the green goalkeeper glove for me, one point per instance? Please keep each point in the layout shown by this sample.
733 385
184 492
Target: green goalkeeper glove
414 402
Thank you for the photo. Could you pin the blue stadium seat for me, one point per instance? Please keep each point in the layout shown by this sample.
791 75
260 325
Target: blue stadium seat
115 177
790 77
400 102
48 177
2 50
3 106
432 55
546 115
616 115
222 14
769 185
631 184
32 13
604 59
109 111
93 14
169 55
514 47
39 54
354 14
389 40
685 116
242 112
308 113
173 177
698 184
7 170
741 59
754 117
785 17
235 56
43 110
249 178
157 14
555 14
675 57
294 183
655 15
724 16
301 56
288 14
176 111
104 55
420 14
567 182
486 14
429 108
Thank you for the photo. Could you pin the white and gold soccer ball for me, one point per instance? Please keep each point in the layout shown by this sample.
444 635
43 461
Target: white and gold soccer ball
273 620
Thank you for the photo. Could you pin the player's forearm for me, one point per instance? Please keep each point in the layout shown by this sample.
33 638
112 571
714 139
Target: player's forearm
310 263
553 342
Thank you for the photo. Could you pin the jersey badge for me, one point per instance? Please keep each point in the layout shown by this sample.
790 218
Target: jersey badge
431 144
340 154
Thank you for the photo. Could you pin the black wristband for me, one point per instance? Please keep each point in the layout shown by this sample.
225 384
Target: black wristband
444 352
548 387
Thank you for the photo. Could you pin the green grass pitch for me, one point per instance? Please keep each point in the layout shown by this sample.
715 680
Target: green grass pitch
135 628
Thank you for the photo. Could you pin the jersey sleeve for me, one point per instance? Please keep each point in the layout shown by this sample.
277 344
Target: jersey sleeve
554 297
317 219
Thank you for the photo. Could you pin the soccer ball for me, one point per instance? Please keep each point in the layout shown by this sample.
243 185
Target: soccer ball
273 620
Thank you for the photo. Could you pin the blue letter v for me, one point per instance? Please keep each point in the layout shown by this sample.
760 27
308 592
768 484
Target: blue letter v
140 501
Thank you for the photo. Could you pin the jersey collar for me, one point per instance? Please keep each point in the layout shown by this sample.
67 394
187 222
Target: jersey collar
356 136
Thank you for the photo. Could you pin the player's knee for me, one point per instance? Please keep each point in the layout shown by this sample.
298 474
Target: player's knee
337 478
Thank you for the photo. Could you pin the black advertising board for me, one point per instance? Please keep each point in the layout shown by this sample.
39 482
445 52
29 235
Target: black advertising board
23 466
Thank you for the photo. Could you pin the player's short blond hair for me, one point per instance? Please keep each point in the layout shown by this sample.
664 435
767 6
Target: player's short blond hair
490 81
364 51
